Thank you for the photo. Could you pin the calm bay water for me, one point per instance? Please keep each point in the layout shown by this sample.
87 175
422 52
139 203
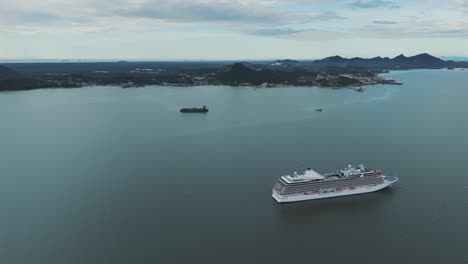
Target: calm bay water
109 175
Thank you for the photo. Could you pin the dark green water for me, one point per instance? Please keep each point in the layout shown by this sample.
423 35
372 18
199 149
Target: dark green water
109 175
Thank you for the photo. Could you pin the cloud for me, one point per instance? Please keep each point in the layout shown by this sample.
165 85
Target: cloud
200 11
277 31
77 16
385 22
418 29
36 17
302 19
373 4
305 34
233 11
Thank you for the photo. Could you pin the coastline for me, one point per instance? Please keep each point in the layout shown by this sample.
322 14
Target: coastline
333 80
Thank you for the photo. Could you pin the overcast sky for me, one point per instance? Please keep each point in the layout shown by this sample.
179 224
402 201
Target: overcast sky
230 29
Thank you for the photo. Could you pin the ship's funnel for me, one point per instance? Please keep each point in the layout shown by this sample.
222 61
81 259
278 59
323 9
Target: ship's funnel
312 175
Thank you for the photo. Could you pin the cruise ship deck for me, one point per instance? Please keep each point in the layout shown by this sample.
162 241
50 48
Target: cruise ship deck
350 180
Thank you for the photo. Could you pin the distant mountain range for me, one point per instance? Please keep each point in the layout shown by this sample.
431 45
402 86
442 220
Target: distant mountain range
401 62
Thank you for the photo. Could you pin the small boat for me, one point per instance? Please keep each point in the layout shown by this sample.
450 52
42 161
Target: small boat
194 110
319 110
359 89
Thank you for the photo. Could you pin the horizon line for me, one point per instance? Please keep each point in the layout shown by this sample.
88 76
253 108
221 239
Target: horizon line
84 60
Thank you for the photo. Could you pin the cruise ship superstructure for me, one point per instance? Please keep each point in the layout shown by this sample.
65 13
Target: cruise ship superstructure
312 185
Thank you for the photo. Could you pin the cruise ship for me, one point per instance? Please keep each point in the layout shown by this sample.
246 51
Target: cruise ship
311 185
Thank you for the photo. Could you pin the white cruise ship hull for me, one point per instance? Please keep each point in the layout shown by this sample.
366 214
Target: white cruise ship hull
312 196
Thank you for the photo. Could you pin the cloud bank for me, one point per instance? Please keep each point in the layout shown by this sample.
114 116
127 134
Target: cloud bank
260 17
294 20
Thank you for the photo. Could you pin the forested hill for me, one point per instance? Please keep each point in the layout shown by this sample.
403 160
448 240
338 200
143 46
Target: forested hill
7 73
